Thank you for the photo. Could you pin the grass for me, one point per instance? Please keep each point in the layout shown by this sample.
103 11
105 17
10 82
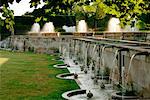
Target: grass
28 76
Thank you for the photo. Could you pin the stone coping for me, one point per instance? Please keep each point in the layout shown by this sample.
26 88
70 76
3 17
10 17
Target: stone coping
103 77
120 97
61 66
58 59
67 95
64 75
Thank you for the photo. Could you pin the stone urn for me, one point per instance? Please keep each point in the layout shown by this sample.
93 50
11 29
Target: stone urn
92 77
93 68
75 76
85 71
82 68
89 94
95 80
76 63
102 85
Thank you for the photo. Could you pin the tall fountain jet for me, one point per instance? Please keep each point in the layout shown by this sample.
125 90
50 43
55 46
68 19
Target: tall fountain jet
35 29
48 28
82 26
113 25
132 27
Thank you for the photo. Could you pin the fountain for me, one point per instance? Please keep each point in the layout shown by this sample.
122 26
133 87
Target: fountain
61 66
130 64
89 50
79 94
69 29
96 63
113 25
58 59
35 29
85 48
88 53
132 27
48 30
82 29
89 94
64 53
67 76
105 70
82 26
127 90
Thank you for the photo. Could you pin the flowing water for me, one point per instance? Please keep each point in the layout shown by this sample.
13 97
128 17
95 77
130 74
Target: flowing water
130 64
85 54
93 58
82 26
103 60
35 28
48 28
113 67
113 25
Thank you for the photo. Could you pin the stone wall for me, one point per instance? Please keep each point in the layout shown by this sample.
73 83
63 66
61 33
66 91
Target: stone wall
139 70
139 73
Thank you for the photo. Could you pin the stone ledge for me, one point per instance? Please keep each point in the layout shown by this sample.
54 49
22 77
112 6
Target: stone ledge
69 94
64 75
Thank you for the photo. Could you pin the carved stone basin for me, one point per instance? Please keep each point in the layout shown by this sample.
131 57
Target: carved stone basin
61 66
66 76
70 94
119 96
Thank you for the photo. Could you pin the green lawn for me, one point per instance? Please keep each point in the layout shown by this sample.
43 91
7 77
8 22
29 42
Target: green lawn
28 76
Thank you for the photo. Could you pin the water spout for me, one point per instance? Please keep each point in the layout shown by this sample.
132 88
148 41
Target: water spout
102 60
86 48
132 57
116 53
113 67
94 57
121 66
102 53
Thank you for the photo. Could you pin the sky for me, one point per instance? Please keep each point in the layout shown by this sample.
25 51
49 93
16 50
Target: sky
22 7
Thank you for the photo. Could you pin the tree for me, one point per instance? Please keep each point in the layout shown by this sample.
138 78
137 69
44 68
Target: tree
7 19
90 11
53 8
127 10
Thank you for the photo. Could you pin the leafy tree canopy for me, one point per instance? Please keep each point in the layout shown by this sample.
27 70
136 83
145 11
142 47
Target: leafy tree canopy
90 8
125 10
53 8
7 18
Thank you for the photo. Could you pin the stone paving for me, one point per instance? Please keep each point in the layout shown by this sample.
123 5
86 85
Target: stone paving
85 82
